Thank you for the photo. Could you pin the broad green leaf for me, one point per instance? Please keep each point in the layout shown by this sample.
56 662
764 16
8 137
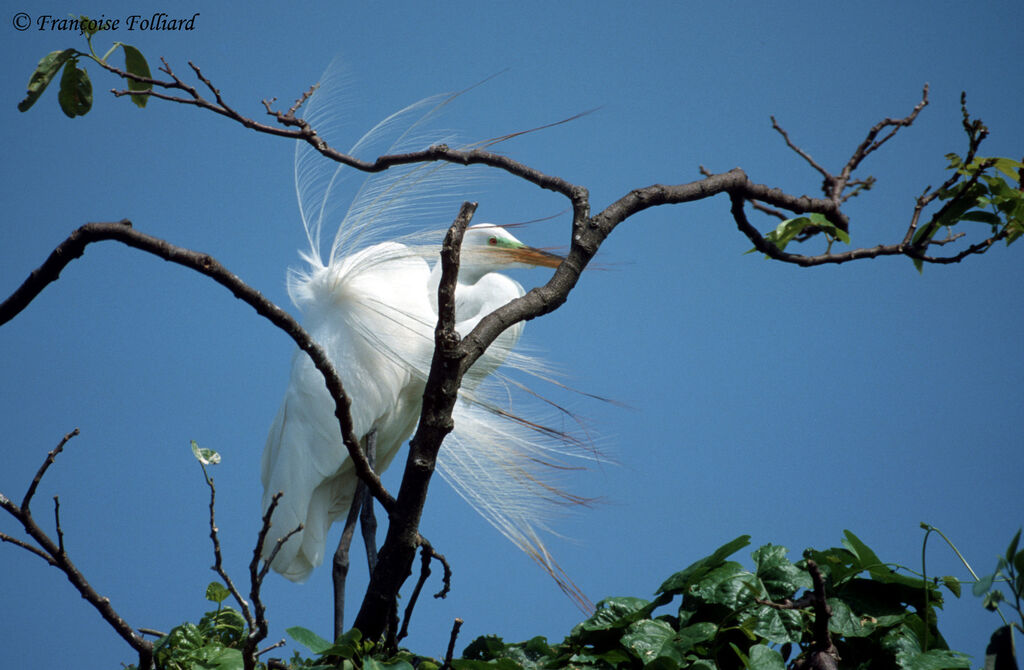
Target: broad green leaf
205 456
936 659
953 584
780 577
220 658
345 645
681 581
75 95
135 63
44 73
763 657
646 639
981 216
729 585
867 559
1009 167
983 584
217 592
693 635
876 568
307 639
778 626
613 613
844 622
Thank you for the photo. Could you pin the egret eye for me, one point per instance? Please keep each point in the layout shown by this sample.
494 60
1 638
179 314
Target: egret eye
492 241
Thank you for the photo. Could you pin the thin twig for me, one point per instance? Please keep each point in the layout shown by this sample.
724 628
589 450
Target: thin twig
54 554
456 626
218 565
424 574
50 457
56 519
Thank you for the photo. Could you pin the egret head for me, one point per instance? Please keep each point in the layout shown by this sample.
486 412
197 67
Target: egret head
490 247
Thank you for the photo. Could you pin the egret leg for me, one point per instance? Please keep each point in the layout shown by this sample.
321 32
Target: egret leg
361 500
367 519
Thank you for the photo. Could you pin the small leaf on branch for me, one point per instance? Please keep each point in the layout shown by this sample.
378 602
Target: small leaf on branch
217 592
135 63
308 639
89 27
75 95
205 456
44 73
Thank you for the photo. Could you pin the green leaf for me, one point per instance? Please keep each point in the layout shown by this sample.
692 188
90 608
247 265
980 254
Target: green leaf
844 622
866 558
763 657
681 581
75 95
778 626
992 599
953 584
729 585
345 646
373 664
1009 167
135 63
220 658
982 216
611 616
983 584
1011 551
787 230
647 638
691 636
89 29
936 659
217 592
44 73
308 639
205 456
780 577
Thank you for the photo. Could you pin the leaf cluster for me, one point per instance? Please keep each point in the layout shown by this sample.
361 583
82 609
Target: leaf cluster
75 94
1009 571
730 617
215 643
349 652
981 193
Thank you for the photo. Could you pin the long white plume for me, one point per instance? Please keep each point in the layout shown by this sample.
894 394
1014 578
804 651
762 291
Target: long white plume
504 465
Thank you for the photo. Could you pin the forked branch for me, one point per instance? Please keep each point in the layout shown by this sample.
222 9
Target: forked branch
55 554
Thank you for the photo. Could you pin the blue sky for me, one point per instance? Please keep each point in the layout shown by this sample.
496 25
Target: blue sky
787 403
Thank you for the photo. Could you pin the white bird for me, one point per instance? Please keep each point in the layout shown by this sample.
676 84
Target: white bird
373 310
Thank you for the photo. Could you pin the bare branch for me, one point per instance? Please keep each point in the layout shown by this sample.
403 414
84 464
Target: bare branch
258 626
50 457
56 519
800 152
456 626
4 537
218 565
74 246
54 554
446 369
871 144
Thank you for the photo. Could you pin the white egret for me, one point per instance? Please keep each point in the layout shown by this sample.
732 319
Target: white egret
373 310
